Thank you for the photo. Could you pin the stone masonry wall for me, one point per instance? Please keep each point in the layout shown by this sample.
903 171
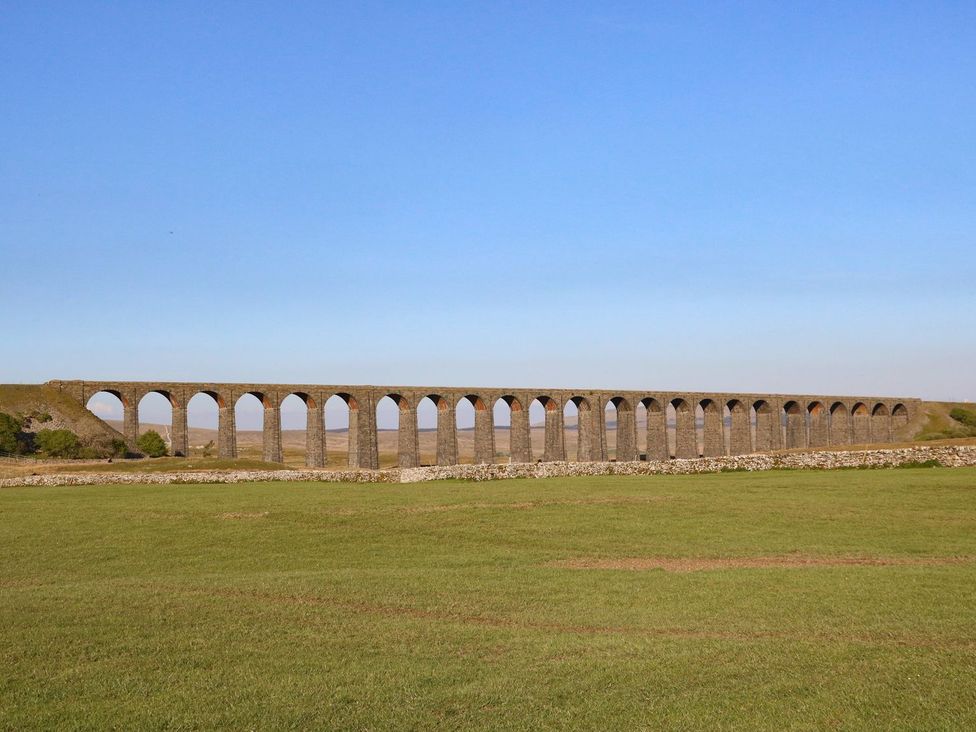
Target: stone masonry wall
948 456
797 420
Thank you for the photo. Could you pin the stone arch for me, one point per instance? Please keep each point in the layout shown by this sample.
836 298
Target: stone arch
200 408
590 439
553 441
817 425
519 447
840 424
880 423
112 404
446 436
656 435
483 431
315 456
861 424
795 425
713 433
341 416
293 421
580 408
174 433
685 438
405 443
740 433
624 430
269 418
427 414
110 409
899 421
767 424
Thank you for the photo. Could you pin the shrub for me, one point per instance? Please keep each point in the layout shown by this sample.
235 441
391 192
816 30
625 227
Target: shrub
152 444
964 416
13 439
58 443
920 464
119 448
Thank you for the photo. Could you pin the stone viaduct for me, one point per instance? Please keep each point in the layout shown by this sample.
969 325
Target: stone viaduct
729 422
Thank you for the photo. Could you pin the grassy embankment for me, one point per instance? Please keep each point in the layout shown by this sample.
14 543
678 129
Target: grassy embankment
852 604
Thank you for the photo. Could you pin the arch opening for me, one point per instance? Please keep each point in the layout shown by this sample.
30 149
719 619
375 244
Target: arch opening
109 406
427 430
899 422
249 414
767 425
464 418
840 424
505 411
795 423
685 433
203 426
880 423
340 428
295 430
388 430
640 429
861 427
155 413
739 423
546 422
817 425
573 431
620 419
655 443
671 421
699 429
709 428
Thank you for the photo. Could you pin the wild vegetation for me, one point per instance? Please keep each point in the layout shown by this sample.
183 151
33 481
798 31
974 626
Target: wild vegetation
756 601
17 438
151 444
958 423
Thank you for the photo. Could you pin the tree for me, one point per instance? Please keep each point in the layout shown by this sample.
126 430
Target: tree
10 435
151 444
58 443
13 439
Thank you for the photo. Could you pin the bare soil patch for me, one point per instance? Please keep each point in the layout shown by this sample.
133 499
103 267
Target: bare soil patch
443 615
789 561
530 505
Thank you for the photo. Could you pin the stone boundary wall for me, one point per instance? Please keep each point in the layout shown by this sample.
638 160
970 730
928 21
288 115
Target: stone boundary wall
950 456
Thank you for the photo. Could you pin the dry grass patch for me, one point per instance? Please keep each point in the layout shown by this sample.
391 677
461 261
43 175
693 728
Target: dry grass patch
531 505
238 516
790 561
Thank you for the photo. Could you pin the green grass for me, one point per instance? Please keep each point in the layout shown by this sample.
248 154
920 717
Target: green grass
437 605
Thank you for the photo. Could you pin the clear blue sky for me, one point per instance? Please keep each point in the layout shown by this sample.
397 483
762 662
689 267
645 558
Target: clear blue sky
775 196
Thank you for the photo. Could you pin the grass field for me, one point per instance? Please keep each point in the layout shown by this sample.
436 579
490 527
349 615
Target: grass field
850 603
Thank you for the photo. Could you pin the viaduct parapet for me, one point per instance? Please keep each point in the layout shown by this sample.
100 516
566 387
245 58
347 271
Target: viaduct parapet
730 422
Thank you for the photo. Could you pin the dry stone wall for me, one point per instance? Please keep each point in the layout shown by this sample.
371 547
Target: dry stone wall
947 456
